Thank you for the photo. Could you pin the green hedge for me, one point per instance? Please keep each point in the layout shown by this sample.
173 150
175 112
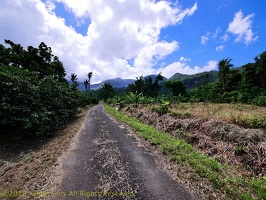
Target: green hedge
32 106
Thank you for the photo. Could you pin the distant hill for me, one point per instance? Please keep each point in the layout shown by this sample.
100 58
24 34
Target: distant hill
190 81
120 83
115 82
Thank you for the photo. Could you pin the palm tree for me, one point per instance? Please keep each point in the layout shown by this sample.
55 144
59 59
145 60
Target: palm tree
73 78
86 83
89 77
224 68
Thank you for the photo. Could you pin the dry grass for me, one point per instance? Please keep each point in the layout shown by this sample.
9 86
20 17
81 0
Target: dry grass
111 169
242 150
223 112
225 141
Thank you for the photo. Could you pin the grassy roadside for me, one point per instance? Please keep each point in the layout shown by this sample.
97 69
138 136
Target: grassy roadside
219 178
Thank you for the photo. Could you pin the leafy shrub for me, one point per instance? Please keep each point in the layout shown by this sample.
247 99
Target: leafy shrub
32 106
259 101
163 108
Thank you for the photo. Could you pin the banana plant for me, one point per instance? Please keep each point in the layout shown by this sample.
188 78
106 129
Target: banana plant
135 97
165 106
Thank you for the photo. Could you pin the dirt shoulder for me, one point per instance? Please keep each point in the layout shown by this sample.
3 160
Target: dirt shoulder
28 166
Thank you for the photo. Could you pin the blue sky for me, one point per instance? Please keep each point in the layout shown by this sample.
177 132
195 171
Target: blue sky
212 20
130 38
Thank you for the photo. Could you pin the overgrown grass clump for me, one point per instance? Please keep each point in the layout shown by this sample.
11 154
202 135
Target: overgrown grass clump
198 166
250 121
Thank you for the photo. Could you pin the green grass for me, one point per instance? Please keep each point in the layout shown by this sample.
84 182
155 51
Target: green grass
250 121
198 165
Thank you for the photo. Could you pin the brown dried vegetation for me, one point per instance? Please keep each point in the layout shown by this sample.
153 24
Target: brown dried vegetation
224 141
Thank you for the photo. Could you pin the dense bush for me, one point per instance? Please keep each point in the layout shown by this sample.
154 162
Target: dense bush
36 99
33 106
259 101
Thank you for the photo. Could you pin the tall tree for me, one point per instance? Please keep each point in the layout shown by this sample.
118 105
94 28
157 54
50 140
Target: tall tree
40 60
146 86
106 91
224 68
4 55
89 77
58 70
260 62
176 87
155 86
86 83
74 79
16 54
45 53
250 76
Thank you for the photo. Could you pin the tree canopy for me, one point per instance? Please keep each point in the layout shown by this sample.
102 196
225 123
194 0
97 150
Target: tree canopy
106 91
176 87
146 86
39 60
36 99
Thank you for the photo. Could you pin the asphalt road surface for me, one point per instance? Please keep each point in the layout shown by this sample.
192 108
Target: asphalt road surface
108 163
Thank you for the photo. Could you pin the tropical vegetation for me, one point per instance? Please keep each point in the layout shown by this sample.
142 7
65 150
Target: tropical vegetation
34 90
245 84
36 99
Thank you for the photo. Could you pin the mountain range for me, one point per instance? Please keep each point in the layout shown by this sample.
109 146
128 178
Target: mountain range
115 82
190 81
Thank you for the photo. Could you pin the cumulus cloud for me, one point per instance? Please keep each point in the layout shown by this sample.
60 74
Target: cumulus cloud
220 48
242 27
183 67
123 37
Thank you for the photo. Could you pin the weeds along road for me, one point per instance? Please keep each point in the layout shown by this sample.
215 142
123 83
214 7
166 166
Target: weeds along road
108 163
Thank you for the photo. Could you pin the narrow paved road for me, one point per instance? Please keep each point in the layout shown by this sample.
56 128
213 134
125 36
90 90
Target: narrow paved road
107 163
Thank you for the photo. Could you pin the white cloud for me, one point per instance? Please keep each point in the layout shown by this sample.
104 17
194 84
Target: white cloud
151 54
223 6
220 48
205 38
186 12
242 27
81 8
184 60
118 31
183 67
224 38
216 33
208 35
